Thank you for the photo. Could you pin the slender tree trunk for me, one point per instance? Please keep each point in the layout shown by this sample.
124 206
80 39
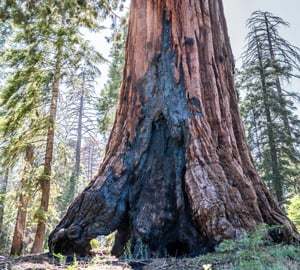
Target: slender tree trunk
79 131
76 173
3 189
79 136
24 197
177 176
45 180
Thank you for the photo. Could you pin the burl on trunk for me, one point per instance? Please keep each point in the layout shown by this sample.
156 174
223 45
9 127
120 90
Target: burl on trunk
177 174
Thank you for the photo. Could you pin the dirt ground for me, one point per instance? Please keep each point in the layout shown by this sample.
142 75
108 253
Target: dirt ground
45 262
101 262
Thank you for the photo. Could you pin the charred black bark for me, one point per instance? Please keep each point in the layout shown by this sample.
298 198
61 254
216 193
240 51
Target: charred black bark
147 204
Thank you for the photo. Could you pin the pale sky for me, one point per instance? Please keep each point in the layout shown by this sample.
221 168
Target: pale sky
238 11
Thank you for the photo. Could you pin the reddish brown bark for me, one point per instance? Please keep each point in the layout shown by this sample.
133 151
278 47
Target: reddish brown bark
17 242
177 173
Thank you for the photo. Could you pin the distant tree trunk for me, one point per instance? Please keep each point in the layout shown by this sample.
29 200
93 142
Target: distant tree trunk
177 176
75 175
89 157
79 133
3 188
46 177
20 226
279 179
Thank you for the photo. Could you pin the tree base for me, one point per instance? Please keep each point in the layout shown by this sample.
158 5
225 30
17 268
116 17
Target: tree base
177 177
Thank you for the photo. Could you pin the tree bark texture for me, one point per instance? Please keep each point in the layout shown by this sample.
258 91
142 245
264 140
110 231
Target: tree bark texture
3 190
177 174
24 197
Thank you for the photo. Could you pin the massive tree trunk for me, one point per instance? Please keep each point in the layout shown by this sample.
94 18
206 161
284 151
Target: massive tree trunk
177 174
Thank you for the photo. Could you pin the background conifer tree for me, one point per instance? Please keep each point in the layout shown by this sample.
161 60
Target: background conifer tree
269 63
42 56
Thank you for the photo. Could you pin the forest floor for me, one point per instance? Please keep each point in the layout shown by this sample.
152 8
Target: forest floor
275 257
100 262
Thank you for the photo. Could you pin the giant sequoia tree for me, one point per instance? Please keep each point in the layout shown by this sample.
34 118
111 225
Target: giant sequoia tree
177 174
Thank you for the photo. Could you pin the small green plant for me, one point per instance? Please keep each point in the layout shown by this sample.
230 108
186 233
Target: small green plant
253 252
250 242
228 245
61 258
256 264
127 252
95 244
139 251
286 251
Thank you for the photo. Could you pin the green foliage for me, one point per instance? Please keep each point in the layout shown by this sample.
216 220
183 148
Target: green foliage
128 255
252 252
250 241
63 171
138 251
62 258
46 49
293 210
95 244
141 250
40 214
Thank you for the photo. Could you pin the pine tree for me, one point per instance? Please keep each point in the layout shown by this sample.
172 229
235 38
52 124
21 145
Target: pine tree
43 50
269 62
